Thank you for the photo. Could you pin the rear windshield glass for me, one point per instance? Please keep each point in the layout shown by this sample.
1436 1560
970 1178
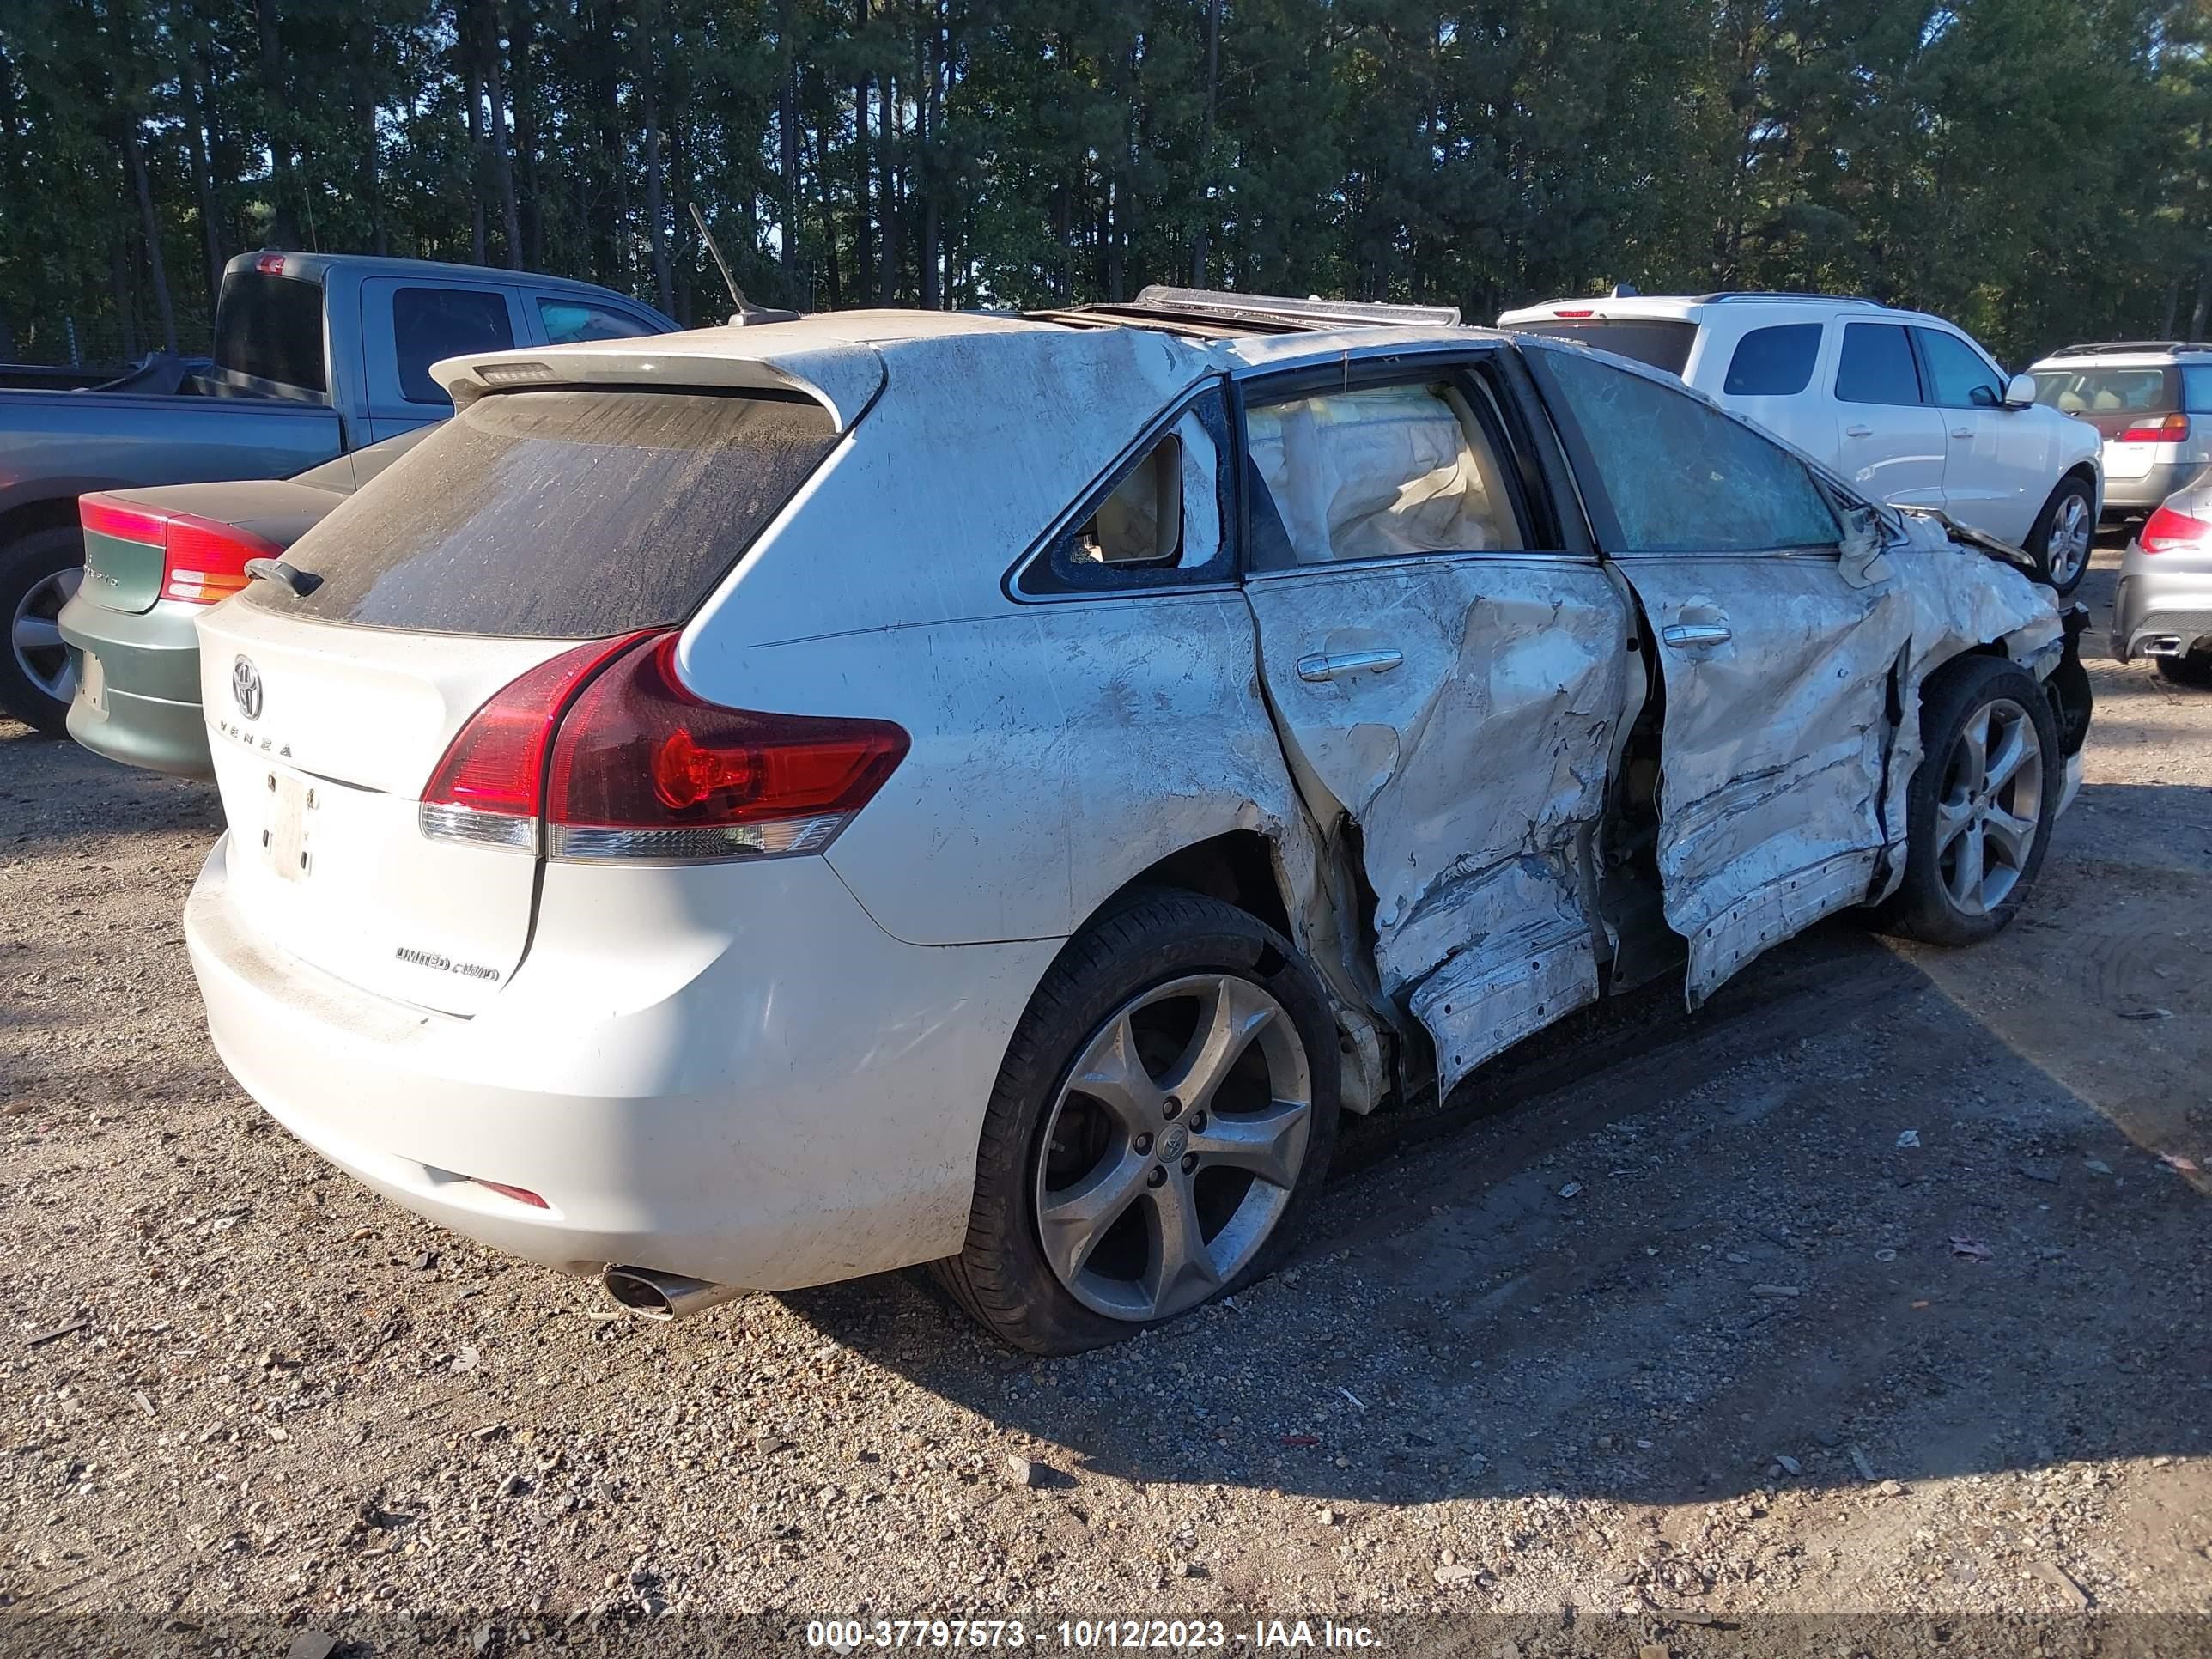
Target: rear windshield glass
272 328
2149 391
560 514
1657 341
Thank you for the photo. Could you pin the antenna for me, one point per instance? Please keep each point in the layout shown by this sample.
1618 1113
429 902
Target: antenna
746 312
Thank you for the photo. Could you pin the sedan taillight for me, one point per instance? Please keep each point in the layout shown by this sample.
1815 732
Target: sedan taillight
2166 529
202 560
622 762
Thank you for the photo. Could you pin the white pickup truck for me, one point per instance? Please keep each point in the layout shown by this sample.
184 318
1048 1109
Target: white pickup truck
1906 406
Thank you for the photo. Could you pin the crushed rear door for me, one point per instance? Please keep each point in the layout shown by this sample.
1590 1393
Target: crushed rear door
1446 693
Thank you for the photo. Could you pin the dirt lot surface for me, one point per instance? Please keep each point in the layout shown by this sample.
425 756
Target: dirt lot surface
1880 1286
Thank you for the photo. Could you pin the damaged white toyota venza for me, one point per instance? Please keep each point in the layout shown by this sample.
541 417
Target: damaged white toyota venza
769 805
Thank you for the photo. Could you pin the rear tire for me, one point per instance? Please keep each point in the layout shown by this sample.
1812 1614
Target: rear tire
1156 1203
37 576
2193 670
1979 811
2063 536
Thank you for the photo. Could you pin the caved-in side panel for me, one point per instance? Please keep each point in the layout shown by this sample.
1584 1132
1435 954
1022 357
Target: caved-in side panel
1461 711
1772 771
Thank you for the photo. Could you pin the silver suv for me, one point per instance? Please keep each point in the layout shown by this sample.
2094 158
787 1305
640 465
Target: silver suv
2150 401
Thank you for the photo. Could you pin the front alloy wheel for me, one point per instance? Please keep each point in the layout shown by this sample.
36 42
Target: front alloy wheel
1174 1147
1991 809
1162 1120
1981 803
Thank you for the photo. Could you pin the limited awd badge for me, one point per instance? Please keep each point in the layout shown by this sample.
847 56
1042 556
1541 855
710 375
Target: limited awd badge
246 688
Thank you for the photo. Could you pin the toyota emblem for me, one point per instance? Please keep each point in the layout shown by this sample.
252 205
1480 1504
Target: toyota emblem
246 688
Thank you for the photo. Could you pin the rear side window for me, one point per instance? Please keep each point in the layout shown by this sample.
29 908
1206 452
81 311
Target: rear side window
560 514
1679 475
1958 378
1877 366
272 328
2197 388
1774 363
1375 473
431 323
1662 342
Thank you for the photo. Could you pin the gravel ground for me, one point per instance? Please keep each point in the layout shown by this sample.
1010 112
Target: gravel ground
1667 1316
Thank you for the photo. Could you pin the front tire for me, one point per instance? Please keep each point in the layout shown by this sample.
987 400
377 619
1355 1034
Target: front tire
1162 1122
38 678
1982 803
2062 535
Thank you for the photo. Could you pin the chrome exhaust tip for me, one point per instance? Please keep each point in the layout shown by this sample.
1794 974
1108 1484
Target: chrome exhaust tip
644 1294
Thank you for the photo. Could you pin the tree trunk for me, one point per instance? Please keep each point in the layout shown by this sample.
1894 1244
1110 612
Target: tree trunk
1206 209
655 184
2203 299
284 219
792 203
825 106
126 310
929 70
863 268
502 161
473 85
891 196
522 34
150 226
201 147
369 180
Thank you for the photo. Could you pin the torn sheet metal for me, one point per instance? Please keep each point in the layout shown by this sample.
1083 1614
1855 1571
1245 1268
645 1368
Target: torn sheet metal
1776 745
1965 590
1468 769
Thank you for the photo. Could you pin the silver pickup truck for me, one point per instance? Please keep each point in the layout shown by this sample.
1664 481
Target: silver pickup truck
315 355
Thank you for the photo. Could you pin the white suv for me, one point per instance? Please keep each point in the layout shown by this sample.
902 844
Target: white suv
2149 400
1904 405
769 805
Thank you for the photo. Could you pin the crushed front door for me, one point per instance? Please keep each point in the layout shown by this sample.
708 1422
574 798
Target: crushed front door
1780 658
1449 691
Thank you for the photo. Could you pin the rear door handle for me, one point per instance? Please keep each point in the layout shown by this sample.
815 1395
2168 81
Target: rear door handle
1962 432
1323 667
1858 432
1689 634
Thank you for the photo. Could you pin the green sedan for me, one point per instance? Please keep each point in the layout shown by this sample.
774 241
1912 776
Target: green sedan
154 560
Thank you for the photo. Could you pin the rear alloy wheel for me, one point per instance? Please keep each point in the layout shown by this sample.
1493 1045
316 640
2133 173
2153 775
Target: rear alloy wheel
38 675
1982 802
1166 1112
2062 535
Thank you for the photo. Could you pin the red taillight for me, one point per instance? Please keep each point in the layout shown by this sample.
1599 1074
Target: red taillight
2166 529
642 768
2158 429
634 766
490 786
1585 312
271 265
202 560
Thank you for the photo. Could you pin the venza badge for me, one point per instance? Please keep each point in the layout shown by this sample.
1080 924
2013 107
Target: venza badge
246 688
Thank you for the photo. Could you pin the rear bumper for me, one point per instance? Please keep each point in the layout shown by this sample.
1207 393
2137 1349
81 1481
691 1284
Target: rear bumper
2165 614
803 1106
2129 496
148 663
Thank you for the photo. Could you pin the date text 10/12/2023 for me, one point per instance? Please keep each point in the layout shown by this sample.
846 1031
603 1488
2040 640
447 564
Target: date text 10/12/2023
845 1636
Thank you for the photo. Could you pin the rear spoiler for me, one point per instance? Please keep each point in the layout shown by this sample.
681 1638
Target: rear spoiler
844 377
